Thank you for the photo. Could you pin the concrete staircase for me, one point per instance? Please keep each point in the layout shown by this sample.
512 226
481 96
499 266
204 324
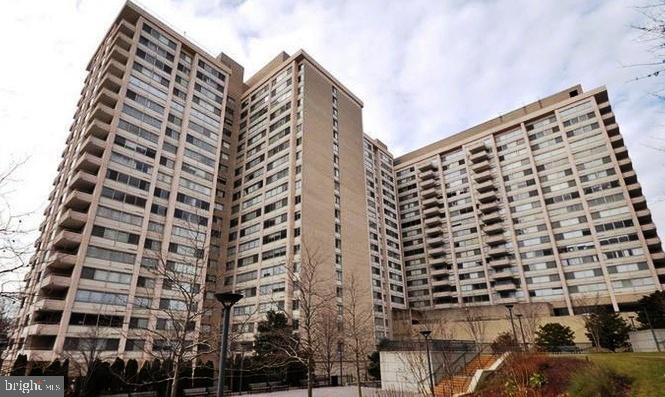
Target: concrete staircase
459 383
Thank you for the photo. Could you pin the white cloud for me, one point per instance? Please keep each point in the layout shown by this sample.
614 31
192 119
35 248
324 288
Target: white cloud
424 69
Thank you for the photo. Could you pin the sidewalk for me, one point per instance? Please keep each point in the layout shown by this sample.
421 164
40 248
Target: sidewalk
345 391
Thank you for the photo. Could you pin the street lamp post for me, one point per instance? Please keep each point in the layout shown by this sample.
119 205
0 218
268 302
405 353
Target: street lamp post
227 300
426 334
653 332
519 320
512 321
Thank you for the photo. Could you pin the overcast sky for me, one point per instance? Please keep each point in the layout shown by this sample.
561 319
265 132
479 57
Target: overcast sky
425 70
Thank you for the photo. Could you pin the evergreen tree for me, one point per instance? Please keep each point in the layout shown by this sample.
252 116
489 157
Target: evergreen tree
504 342
20 365
654 305
374 365
65 374
273 334
131 372
117 375
209 374
552 336
35 369
606 329
53 369
199 374
144 376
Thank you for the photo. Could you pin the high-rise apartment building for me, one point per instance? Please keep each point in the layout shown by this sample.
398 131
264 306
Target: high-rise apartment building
175 162
539 205
141 185
384 240
295 189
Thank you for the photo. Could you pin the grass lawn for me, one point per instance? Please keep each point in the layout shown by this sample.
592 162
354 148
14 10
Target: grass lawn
646 370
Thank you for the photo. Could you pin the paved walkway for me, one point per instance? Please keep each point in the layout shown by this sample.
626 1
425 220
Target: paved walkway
345 391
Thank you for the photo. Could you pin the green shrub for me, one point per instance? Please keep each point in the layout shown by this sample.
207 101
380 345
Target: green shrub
598 381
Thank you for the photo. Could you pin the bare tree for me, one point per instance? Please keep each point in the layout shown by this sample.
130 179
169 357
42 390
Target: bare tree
87 353
14 247
358 325
652 34
312 286
415 365
474 324
531 316
328 331
175 298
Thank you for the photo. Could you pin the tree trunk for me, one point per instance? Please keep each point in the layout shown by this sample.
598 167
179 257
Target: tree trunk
174 382
309 376
360 390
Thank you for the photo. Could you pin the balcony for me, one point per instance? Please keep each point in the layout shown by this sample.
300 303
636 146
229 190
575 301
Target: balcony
505 286
495 239
427 166
489 207
432 211
97 129
427 175
487 196
84 181
494 228
653 242
436 252
497 251
477 157
480 166
428 184
111 82
483 176
119 54
55 281
114 68
41 329
126 28
648 227
78 200
436 241
47 303
506 272
477 147
431 202
500 262
93 145
621 152
102 112
433 221
122 40
61 260
629 174
491 217
72 219
433 231
105 97
485 186
643 213
638 201
89 163
432 192
67 239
